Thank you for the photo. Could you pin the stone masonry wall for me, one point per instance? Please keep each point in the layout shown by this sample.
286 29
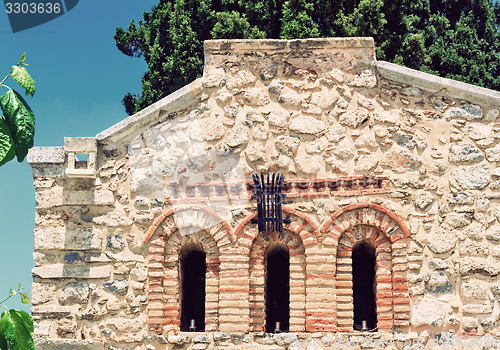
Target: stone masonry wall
369 151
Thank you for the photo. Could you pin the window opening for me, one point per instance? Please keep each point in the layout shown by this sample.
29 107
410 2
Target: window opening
364 288
193 269
277 289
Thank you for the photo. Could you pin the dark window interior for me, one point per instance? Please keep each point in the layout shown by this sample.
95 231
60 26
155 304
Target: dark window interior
277 289
363 276
193 269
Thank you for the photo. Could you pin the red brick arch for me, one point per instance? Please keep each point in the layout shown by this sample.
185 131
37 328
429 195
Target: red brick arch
299 236
388 233
199 225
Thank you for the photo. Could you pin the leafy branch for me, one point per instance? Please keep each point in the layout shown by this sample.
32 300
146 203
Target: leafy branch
16 326
17 125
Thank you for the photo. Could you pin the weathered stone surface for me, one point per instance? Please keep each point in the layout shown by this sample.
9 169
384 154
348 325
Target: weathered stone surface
212 129
473 177
482 266
475 231
144 182
438 282
119 287
478 131
461 198
285 338
71 271
278 118
467 112
308 164
287 145
231 111
405 140
439 167
214 77
325 99
115 242
478 309
66 344
367 103
42 293
75 292
307 125
290 98
256 97
474 291
430 311
422 199
317 146
68 239
458 219
492 115
335 133
276 87
112 219
493 153
401 159
224 97
439 264
164 164
237 136
269 70
474 249
354 118
198 158
123 325
366 78
255 152
465 152
241 79
366 140
442 240
260 132
493 234
366 163
255 116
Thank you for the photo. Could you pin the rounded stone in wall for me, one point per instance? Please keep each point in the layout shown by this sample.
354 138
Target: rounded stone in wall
442 240
75 292
437 282
422 199
119 287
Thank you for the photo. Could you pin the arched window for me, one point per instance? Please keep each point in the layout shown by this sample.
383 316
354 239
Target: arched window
364 288
277 289
192 274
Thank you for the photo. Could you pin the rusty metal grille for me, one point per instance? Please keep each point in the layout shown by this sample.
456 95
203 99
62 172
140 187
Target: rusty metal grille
269 202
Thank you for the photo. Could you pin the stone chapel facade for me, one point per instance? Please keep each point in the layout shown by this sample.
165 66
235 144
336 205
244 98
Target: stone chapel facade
392 217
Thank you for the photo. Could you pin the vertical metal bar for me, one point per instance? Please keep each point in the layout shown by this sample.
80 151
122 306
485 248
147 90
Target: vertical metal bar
264 203
273 212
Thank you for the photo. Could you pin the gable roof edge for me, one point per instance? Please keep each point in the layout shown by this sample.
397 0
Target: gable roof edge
144 117
433 83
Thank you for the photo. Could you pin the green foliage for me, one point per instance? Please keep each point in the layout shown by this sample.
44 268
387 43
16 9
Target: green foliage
17 125
458 39
16 326
21 75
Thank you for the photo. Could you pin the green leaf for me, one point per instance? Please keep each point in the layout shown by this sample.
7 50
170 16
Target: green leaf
25 298
23 57
21 75
21 121
16 327
7 151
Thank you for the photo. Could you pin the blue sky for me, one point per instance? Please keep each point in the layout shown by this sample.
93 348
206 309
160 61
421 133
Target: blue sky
81 78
